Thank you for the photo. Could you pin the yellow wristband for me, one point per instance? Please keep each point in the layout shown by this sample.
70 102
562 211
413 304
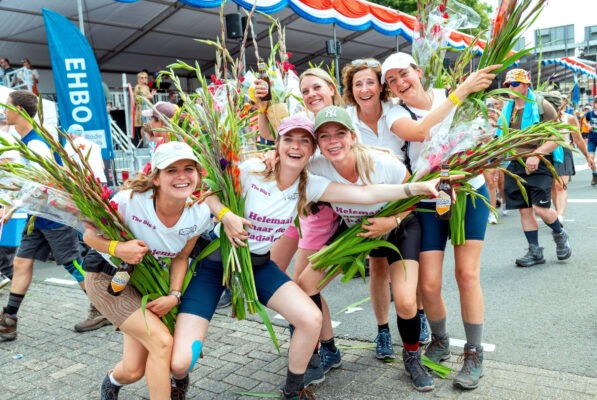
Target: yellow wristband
112 247
223 211
262 110
454 99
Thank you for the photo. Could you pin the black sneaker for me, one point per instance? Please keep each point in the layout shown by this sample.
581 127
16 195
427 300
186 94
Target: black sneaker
563 249
533 256
225 299
421 378
594 180
178 388
108 390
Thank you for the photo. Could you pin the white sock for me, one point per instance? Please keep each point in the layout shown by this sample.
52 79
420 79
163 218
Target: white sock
114 381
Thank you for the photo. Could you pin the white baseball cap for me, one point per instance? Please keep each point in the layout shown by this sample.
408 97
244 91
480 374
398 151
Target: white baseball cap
171 152
396 61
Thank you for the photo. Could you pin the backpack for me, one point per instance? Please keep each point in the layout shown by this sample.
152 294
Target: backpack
555 99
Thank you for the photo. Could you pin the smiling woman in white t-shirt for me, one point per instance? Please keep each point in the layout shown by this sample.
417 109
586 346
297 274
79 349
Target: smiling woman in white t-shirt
420 111
273 199
156 210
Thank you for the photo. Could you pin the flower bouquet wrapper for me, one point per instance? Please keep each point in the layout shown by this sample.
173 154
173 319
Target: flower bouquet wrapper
275 114
41 201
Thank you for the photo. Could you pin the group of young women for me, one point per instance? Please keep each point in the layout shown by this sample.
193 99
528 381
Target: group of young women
334 186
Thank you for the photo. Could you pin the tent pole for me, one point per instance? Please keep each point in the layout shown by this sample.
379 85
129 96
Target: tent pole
80 12
337 66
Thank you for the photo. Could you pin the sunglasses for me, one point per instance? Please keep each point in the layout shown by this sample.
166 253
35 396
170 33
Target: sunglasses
513 84
370 63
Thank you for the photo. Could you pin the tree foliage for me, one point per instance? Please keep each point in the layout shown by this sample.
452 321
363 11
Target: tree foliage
410 7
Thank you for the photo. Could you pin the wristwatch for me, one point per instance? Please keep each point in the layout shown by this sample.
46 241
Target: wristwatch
398 221
176 294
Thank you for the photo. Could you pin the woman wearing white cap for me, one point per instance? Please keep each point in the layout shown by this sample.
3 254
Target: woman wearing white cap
155 209
413 120
369 104
274 197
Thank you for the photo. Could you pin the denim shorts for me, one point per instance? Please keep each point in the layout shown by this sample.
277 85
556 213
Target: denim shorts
205 288
435 232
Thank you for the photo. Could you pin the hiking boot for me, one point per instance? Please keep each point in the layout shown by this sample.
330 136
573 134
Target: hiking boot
314 373
594 180
383 346
95 320
178 388
533 257
425 334
329 359
4 280
108 390
225 299
8 326
472 367
421 378
439 348
303 394
563 249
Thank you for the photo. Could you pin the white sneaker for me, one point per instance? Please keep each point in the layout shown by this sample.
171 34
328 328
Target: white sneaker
503 209
4 280
492 219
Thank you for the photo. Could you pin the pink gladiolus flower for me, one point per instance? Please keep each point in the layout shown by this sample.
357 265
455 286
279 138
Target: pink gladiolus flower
114 205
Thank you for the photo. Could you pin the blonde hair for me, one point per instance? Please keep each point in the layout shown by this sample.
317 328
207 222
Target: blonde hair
324 76
269 174
364 156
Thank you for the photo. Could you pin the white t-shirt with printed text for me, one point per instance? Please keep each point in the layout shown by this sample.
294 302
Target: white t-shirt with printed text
139 215
388 169
270 209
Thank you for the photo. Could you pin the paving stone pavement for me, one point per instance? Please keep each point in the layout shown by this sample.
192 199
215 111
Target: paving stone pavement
49 360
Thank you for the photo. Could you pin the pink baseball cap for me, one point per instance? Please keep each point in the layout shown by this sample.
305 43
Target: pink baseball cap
297 121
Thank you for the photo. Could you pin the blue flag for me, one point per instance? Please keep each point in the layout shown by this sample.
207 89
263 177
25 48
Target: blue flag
78 81
576 91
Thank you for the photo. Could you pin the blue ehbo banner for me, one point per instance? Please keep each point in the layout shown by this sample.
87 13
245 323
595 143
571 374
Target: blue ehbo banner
78 81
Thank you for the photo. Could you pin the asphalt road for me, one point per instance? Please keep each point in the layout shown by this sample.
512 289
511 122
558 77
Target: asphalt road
544 316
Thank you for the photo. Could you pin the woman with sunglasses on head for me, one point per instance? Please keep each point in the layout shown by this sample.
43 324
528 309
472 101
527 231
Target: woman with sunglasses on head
318 91
280 194
369 104
413 120
345 160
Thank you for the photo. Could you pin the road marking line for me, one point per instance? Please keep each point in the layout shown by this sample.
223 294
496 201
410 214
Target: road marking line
60 281
460 343
582 200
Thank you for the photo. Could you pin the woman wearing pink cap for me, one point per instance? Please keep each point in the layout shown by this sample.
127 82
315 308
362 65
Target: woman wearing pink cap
274 197
318 91
413 120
